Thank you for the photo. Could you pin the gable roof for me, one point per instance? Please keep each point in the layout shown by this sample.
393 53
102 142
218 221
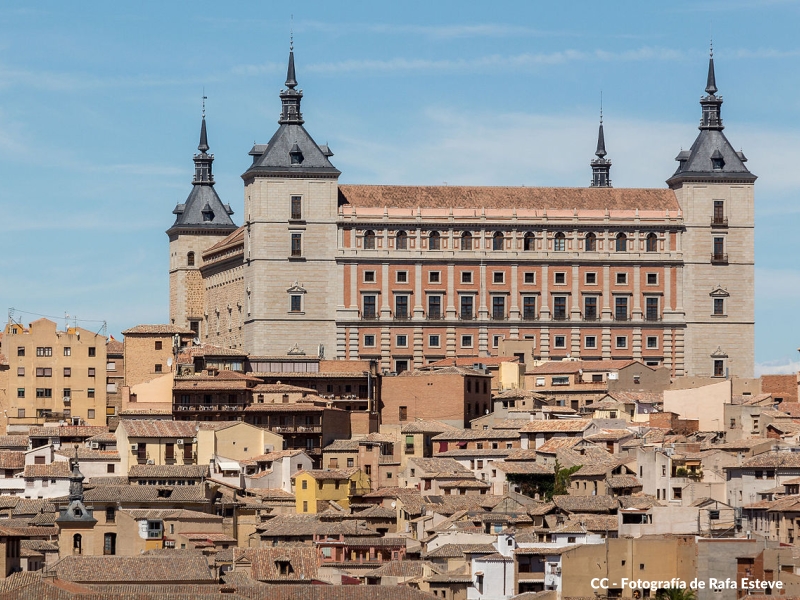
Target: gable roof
144 568
155 428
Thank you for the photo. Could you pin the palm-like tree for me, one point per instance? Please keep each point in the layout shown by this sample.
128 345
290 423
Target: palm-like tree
676 594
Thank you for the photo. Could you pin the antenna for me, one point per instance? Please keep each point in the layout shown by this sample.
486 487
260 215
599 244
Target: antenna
291 33
204 101
601 107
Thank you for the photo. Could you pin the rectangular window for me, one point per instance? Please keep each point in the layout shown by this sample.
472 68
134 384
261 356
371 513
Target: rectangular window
590 308
719 212
591 278
91 371
496 340
559 341
297 248
401 341
559 308
719 306
498 277
369 311
369 276
652 342
719 247
466 341
498 307
20 350
467 307
44 351
651 309
434 341
44 393
401 277
560 278
560 380
466 276
20 392
369 341
434 307
159 345
719 368
621 308
67 392
652 279
296 303
20 371
67 372
621 341
530 277
67 351
401 307
434 276
92 351
158 368
90 414
590 342
90 392
44 372
403 416
297 212
529 308
622 278
20 413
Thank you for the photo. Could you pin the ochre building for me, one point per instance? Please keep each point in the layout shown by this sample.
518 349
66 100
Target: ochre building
406 275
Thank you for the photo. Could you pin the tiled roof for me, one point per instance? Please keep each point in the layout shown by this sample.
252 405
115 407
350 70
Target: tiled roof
303 525
12 460
271 457
146 494
503 197
772 459
114 347
342 446
282 388
426 427
105 437
88 454
561 410
516 393
466 453
55 470
426 372
586 504
609 435
266 563
510 423
596 523
402 568
143 568
522 468
476 434
623 482
555 444
438 466
326 474
144 409
465 484
157 329
458 550
556 425
640 397
523 454
296 407
59 431
544 550
168 471
174 514
14 441
149 428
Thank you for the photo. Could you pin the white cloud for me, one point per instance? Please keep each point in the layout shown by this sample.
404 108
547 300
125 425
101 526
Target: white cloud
783 366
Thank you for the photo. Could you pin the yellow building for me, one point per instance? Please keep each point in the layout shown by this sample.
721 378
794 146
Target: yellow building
53 375
338 485
234 440
148 442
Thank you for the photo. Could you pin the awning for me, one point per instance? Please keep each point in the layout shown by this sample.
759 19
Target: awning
228 465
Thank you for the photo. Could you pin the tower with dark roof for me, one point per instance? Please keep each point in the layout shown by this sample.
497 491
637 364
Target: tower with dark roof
715 191
601 167
200 221
291 206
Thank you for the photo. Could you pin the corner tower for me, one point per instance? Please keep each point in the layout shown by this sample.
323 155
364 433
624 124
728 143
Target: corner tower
601 167
290 241
200 222
715 191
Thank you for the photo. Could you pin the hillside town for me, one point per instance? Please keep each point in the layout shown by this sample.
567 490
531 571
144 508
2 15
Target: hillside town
374 392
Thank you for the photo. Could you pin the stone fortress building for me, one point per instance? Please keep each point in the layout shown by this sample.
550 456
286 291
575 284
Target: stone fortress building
407 275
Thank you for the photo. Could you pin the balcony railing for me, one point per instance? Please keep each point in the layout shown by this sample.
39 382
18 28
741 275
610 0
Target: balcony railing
401 315
719 258
467 316
369 315
719 221
621 317
652 317
530 316
560 316
498 316
434 315
387 459
591 317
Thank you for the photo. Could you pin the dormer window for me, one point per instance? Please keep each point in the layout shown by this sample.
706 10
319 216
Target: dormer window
284 567
717 162
208 214
296 155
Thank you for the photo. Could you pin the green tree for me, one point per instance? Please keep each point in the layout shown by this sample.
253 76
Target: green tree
561 485
676 594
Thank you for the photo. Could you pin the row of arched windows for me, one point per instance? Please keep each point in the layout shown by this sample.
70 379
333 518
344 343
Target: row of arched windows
528 244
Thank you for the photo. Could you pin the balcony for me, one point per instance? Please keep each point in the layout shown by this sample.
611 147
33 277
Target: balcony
719 258
621 317
557 316
717 221
652 317
401 315
531 316
369 315
467 316
434 315
591 316
387 459
409 449
496 316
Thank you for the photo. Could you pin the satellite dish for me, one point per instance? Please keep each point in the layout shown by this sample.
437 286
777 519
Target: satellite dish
169 361
394 504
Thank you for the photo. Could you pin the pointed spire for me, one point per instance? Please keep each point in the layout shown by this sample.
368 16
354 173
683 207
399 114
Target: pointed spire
601 140
601 168
291 81
203 146
203 160
711 82
290 97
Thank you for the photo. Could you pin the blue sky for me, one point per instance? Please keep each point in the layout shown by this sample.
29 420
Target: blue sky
100 112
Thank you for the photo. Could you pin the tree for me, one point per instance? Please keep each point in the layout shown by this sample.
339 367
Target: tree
561 485
676 594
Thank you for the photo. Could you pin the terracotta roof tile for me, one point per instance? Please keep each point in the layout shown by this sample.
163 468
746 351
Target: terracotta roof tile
422 426
144 568
556 425
266 564
55 470
468 361
12 460
502 197
586 504
14 441
154 428
157 329
477 434
168 471
60 431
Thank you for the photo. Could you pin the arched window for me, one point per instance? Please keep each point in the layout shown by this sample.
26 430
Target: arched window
434 241
559 242
591 242
466 241
401 240
498 241
190 259
651 244
529 242
622 242
77 541
369 240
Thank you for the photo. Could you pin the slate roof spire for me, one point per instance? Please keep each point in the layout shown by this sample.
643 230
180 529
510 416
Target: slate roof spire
601 168
203 161
290 97
711 103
